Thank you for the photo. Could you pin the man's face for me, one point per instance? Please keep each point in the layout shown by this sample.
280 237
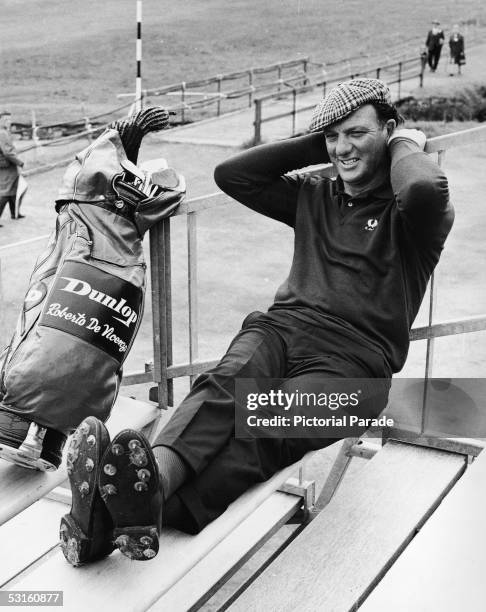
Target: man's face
357 146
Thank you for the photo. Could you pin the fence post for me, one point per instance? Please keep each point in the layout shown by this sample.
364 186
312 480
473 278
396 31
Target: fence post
305 63
399 79
218 106
422 70
257 136
35 136
183 101
279 77
160 275
88 128
250 83
378 71
294 109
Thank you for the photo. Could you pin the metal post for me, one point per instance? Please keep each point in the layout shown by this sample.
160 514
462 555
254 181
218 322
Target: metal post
429 355
335 476
138 80
192 287
257 137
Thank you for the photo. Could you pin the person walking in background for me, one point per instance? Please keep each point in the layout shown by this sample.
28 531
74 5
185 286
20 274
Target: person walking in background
456 49
9 167
433 43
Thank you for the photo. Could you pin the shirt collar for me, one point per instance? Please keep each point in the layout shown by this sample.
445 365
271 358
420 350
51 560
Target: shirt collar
381 192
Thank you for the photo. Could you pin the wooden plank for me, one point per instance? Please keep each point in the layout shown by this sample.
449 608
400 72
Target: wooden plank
334 562
463 446
443 567
456 139
212 571
449 328
28 536
98 585
20 487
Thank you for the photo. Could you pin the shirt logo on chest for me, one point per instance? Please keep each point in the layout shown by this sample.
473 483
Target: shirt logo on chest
371 224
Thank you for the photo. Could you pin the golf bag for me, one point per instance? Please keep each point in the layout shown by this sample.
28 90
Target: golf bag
84 303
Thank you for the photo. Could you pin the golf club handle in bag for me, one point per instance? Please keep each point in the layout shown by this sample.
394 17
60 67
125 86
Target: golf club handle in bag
85 298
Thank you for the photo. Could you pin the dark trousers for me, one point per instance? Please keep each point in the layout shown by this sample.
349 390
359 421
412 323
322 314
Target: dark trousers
202 429
10 200
433 57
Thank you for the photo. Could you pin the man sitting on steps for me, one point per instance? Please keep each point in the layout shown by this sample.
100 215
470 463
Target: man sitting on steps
365 247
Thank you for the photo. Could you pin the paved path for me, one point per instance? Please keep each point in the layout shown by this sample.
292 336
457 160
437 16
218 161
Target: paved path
236 129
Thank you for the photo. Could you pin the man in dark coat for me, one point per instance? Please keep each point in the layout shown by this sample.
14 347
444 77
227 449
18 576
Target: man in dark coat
433 43
9 167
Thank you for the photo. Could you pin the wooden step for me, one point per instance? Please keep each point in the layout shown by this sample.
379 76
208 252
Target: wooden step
336 561
443 567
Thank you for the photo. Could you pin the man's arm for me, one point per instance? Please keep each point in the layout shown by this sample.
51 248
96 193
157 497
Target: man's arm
421 189
256 177
8 149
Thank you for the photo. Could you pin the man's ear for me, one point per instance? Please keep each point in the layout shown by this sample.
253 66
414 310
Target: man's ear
390 125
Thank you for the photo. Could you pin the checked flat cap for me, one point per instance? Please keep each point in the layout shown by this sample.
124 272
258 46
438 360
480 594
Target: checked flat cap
345 98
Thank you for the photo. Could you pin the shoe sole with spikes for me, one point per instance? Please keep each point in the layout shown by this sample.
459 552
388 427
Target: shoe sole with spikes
87 531
129 484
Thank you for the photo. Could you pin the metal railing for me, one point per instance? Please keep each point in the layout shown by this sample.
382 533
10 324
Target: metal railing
391 73
164 371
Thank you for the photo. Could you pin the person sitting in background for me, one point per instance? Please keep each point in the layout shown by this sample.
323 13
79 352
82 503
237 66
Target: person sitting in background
456 48
9 167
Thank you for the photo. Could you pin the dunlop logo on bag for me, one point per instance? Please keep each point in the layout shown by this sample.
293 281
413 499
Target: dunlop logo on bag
95 306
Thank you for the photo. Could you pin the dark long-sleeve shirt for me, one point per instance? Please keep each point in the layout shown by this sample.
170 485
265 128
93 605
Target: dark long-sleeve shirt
434 40
361 264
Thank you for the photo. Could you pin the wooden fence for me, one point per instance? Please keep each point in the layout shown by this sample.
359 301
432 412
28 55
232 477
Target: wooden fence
391 73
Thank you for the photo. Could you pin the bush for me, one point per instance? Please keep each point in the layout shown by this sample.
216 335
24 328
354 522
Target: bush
468 105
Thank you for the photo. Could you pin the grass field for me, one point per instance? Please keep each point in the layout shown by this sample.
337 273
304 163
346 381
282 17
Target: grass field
65 58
